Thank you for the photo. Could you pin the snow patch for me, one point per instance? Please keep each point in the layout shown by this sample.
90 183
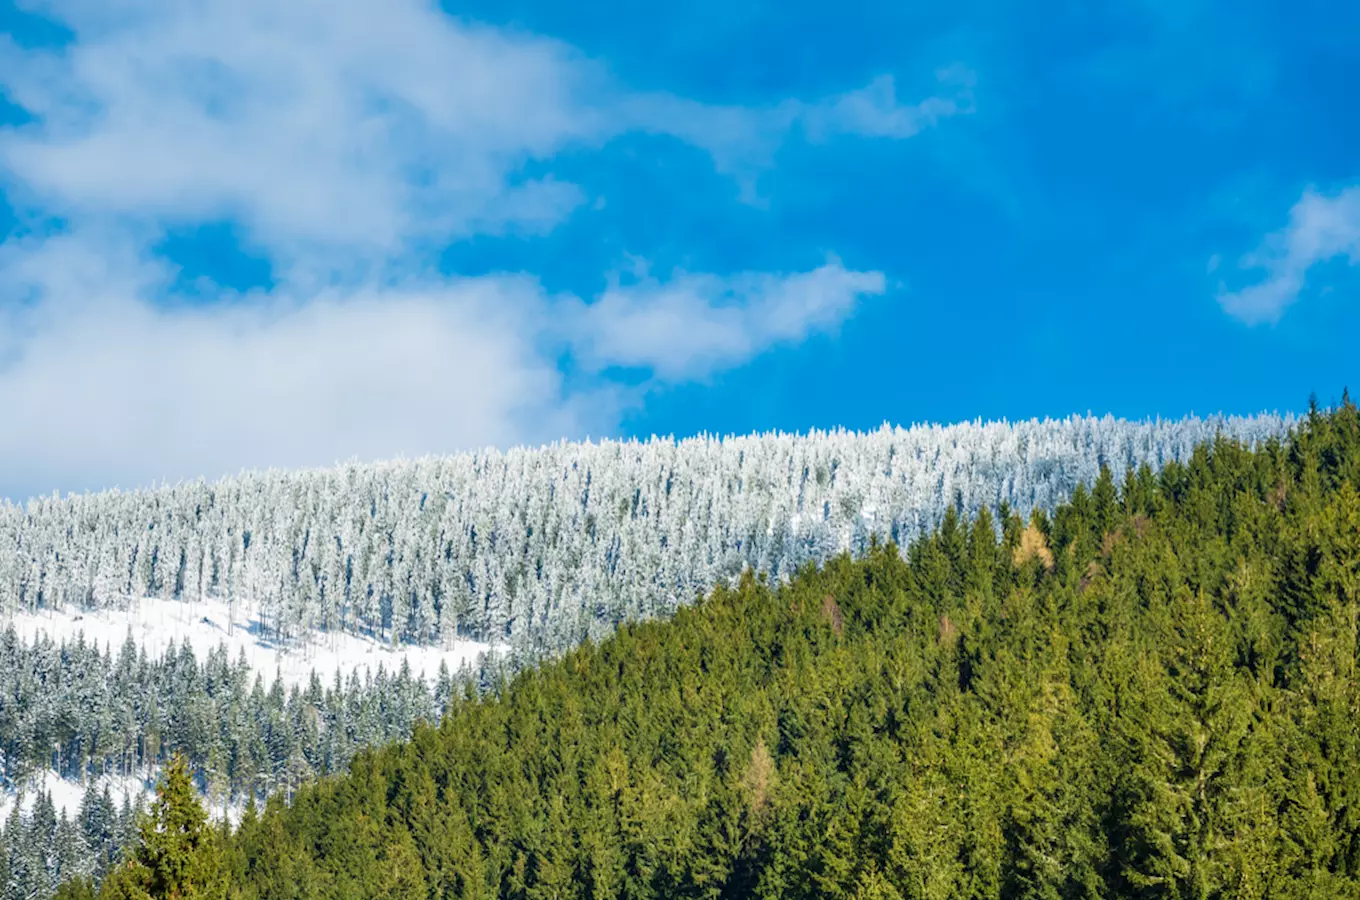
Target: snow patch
68 794
157 625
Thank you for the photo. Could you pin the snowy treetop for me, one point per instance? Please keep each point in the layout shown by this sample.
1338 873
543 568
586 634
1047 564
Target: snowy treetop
552 544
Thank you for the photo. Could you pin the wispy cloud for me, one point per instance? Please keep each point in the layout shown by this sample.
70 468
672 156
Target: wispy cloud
1320 228
351 124
743 140
350 141
874 111
693 324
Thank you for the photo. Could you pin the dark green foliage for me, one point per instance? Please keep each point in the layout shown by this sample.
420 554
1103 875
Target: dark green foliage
76 889
178 856
1151 693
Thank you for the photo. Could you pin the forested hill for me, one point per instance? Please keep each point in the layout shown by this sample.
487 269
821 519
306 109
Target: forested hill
538 548
1149 693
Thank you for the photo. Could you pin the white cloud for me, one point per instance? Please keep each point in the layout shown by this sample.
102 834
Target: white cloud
348 124
350 141
1320 228
103 387
874 111
743 140
100 385
693 324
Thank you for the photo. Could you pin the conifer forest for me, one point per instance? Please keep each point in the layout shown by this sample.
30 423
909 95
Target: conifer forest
1074 659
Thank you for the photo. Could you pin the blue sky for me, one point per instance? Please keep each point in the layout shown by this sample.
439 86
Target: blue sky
236 236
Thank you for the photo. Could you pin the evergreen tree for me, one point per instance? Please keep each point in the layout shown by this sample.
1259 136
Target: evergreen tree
177 857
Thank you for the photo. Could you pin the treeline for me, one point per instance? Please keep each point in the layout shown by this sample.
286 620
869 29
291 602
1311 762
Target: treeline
1151 692
541 548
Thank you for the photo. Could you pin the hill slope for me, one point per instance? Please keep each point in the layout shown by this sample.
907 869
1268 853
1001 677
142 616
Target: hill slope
1151 693
540 548
397 565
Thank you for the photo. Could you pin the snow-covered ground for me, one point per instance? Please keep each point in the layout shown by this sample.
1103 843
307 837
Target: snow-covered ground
160 624
67 794
157 624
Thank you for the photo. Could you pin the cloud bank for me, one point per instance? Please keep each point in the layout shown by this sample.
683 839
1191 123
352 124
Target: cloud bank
350 141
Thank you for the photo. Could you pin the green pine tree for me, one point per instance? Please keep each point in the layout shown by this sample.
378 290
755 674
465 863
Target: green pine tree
178 857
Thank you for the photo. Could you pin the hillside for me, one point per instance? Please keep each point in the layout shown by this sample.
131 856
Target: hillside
1149 693
540 548
253 659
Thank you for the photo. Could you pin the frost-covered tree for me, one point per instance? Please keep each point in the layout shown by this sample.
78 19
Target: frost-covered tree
543 547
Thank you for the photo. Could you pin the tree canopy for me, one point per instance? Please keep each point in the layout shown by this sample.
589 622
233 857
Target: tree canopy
1151 692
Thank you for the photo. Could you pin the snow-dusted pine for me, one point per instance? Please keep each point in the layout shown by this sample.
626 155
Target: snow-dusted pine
541 547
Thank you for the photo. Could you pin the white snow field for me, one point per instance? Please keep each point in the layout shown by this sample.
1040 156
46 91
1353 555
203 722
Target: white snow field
157 624
67 793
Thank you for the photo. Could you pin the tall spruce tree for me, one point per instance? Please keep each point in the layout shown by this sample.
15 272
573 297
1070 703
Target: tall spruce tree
178 857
